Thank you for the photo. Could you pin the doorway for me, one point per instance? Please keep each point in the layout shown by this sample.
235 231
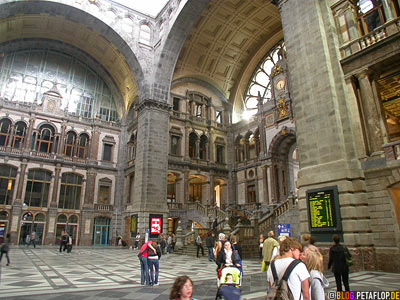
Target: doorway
101 231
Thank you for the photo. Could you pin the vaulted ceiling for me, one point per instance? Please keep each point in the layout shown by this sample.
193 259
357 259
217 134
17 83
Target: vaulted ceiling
228 41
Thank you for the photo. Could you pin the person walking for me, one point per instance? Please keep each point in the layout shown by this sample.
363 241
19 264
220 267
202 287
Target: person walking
64 240
261 245
268 248
5 248
32 239
153 259
69 243
219 244
210 240
338 263
169 244
137 240
199 243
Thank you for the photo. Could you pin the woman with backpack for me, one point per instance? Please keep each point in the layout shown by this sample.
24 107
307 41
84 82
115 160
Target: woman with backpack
318 282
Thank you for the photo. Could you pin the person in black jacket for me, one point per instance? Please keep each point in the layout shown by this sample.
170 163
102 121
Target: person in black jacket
338 263
210 241
226 258
5 247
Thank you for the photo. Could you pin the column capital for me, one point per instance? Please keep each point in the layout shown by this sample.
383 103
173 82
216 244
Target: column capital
151 103
279 3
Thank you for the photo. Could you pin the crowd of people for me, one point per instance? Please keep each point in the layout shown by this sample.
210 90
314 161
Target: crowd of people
285 259
300 265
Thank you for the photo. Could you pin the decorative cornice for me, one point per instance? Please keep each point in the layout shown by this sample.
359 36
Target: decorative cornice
279 3
150 103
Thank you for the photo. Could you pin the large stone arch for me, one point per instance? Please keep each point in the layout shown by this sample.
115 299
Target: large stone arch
167 57
77 27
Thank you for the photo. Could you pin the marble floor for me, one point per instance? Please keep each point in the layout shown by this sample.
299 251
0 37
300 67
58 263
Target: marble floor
112 273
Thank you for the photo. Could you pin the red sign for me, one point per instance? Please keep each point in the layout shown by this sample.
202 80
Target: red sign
155 225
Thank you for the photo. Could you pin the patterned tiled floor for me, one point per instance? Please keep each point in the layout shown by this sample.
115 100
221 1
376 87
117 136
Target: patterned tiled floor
108 273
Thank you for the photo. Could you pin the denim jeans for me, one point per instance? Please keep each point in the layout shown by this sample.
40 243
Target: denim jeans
154 269
144 271
210 253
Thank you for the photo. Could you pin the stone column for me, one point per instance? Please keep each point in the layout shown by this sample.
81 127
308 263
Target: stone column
61 145
211 190
151 164
90 188
327 157
371 113
94 145
387 8
265 184
185 186
28 136
18 199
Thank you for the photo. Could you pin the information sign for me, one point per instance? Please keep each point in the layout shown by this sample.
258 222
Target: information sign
284 229
323 209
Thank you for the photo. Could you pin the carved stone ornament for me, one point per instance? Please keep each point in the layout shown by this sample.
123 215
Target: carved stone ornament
150 103
282 108
276 70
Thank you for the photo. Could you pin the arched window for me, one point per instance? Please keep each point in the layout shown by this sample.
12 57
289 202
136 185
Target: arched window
145 34
192 145
251 142
19 135
83 145
37 188
5 130
40 218
132 147
73 219
70 191
203 147
45 138
7 182
62 219
260 81
239 145
28 74
69 144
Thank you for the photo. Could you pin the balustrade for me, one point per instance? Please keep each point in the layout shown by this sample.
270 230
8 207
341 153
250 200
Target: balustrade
104 207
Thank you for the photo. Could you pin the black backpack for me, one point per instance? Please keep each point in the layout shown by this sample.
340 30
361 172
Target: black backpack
280 289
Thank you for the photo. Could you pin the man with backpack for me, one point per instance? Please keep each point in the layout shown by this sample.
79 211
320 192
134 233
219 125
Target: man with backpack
287 276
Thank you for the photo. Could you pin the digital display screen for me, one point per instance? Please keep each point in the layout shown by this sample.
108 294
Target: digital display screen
155 225
321 205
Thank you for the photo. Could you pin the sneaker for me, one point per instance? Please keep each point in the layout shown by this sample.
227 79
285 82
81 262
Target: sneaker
156 283
7 264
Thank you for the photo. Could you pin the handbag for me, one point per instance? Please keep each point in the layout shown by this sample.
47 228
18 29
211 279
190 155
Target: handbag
263 266
347 257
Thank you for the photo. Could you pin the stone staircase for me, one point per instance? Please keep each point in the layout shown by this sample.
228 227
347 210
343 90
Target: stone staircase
248 227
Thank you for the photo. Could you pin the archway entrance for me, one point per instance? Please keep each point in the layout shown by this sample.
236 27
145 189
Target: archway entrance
101 231
26 227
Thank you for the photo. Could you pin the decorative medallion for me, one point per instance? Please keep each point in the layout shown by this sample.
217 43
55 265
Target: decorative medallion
282 108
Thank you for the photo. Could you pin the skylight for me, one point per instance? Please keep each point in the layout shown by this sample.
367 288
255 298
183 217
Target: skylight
149 7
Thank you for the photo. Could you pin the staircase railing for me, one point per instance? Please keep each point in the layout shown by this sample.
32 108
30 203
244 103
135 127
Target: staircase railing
267 221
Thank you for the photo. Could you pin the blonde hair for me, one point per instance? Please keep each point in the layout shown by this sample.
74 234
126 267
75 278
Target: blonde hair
314 260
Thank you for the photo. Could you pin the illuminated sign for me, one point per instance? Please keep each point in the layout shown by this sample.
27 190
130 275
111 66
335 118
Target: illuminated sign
323 209
155 225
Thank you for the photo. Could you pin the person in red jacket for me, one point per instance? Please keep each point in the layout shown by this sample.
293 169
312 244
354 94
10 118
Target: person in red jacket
144 267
